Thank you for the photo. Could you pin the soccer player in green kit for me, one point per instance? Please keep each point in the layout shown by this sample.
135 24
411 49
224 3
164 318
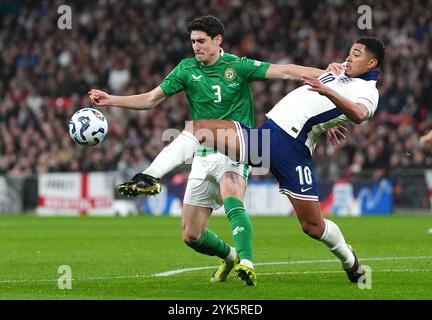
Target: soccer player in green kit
217 85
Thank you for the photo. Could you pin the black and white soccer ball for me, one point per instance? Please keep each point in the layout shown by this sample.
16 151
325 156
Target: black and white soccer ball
88 127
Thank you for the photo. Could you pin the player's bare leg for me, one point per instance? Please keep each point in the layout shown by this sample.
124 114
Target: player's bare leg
326 231
233 187
198 237
218 134
194 222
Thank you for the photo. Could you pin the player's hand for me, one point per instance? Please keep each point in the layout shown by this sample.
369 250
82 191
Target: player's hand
99 98
316 85
336 68
334 134
426 140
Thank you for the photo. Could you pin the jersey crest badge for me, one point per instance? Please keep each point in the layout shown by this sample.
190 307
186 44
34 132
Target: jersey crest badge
230 74
344 79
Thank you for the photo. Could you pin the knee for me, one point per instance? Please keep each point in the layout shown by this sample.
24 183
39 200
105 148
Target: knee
190 238
313 229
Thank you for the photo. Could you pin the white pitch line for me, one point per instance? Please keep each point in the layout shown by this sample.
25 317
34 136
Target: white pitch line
173 272
178 271
340 271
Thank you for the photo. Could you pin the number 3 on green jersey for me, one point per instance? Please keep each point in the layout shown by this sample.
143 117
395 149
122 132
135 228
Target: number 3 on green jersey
218 94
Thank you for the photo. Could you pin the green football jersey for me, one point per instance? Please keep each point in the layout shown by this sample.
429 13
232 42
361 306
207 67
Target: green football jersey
219 91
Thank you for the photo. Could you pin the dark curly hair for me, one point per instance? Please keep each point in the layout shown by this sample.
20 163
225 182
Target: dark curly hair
374 46
208 24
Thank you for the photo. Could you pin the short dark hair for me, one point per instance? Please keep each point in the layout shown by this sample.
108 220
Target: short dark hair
208 24
374 46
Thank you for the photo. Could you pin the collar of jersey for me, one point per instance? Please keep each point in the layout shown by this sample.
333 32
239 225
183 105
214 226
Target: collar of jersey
369 75
219 60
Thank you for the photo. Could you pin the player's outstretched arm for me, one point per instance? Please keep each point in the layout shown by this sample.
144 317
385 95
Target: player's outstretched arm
356 112
142 101
296 72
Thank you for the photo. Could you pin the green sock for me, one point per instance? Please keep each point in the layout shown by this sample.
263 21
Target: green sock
211 245
241 226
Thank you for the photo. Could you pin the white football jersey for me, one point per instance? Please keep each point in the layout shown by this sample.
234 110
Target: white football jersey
305 114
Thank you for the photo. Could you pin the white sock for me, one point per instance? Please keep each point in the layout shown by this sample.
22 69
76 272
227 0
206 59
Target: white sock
246 263
177 152
334 239
232 255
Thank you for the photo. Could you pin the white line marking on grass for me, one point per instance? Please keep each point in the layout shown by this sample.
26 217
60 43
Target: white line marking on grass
178 271
340 271
173 272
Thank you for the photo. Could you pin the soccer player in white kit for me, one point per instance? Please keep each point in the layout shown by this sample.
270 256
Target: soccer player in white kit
293 127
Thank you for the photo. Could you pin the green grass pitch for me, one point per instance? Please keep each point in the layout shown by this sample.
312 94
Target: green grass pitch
145 258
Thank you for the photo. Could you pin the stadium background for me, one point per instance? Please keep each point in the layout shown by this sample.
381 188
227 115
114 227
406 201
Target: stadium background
125 47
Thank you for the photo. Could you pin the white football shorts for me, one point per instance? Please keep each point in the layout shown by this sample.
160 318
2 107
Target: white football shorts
203 186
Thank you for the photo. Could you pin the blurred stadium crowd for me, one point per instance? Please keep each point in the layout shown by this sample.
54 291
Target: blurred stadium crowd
126 47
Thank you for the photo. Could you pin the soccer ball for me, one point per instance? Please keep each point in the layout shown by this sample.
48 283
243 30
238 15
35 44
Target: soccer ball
88 127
